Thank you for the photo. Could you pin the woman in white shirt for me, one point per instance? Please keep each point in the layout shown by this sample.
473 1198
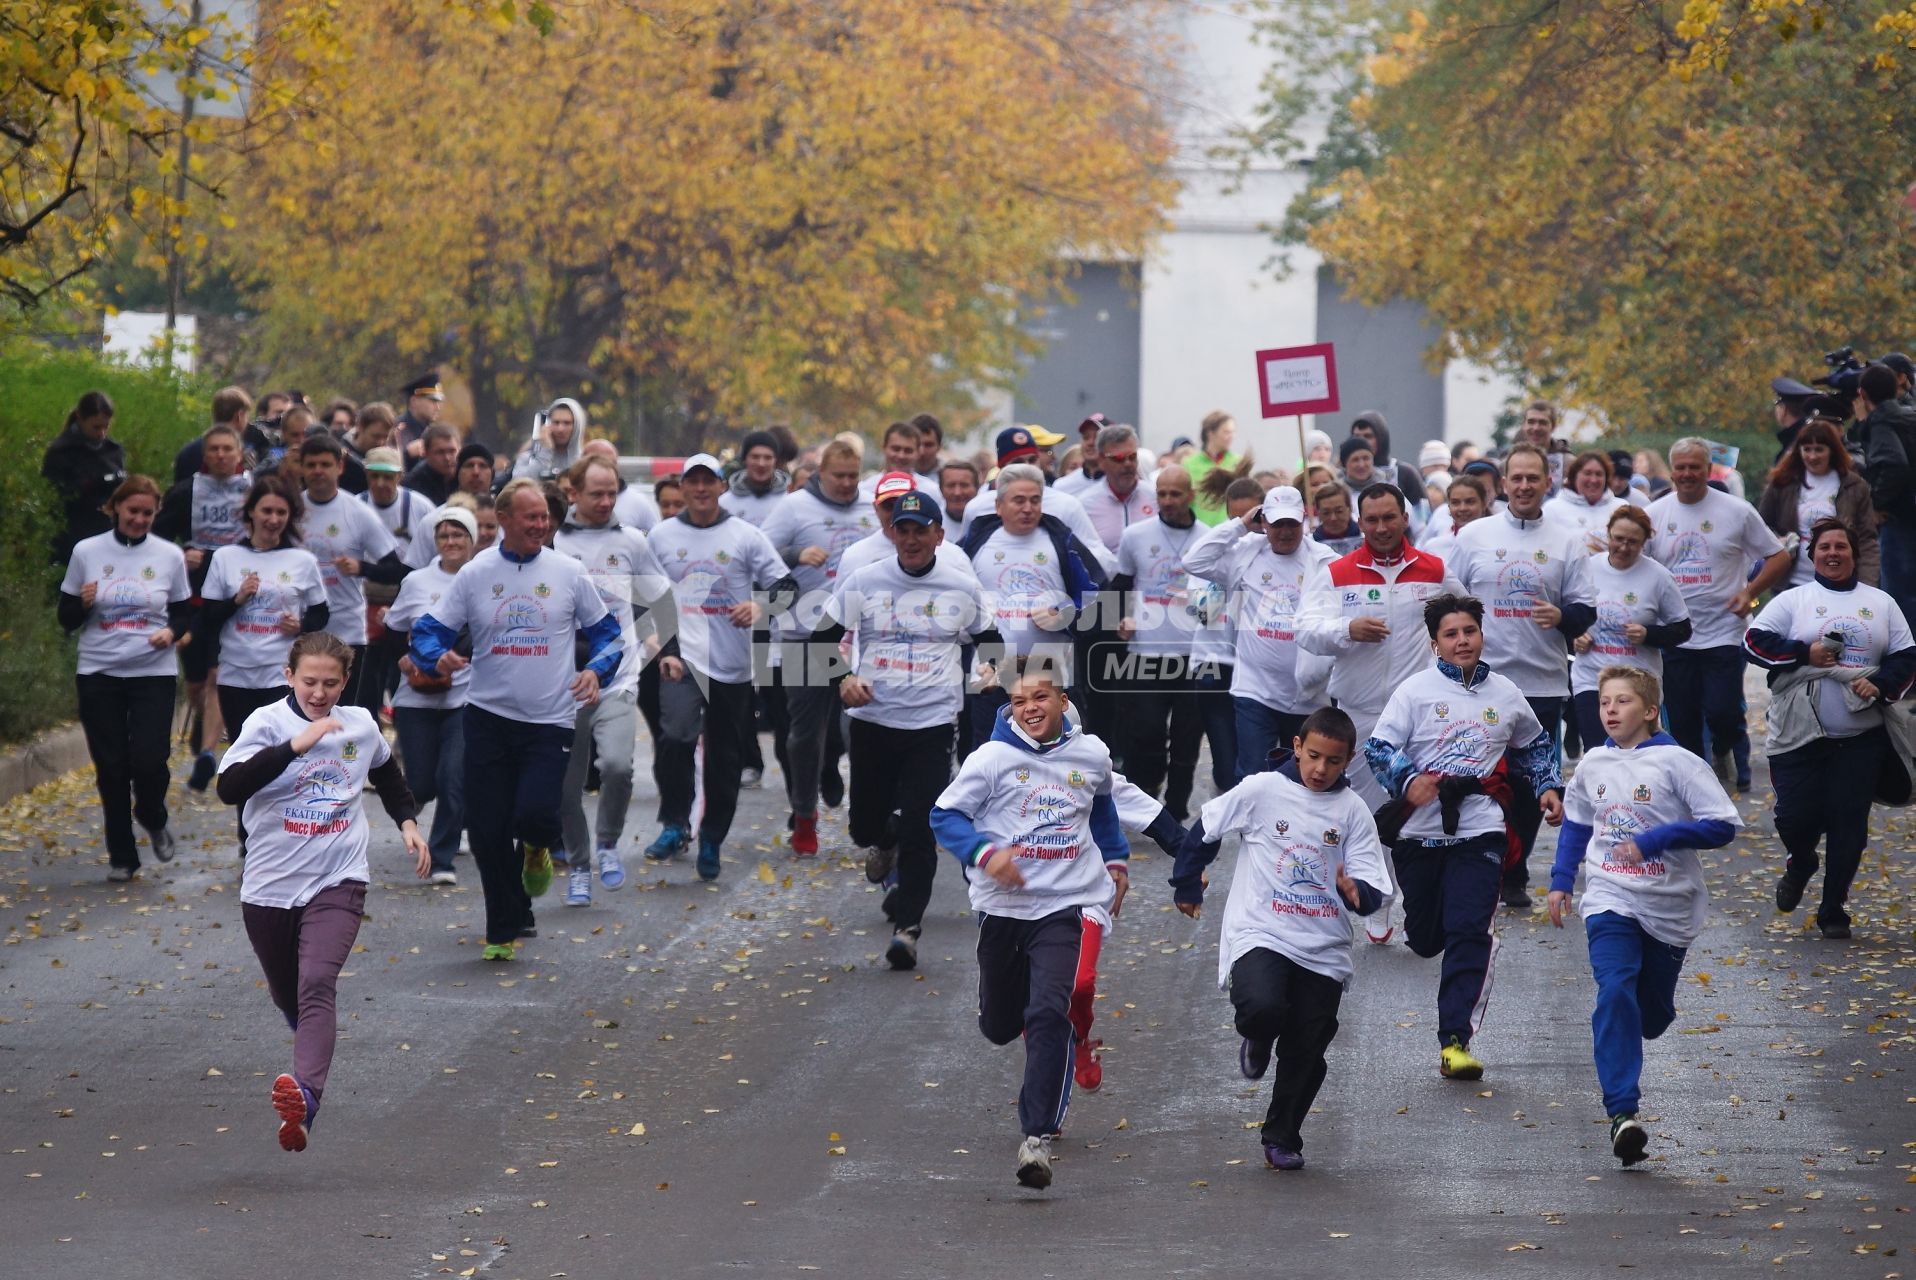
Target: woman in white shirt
1585 502
127 595
1814 479
1623 611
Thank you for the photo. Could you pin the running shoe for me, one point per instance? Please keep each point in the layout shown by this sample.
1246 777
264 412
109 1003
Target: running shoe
120 875
1788 893
578 886
903 951
537 875
499 951
890 905
445 875
611 869
749 779
530 929
1835 930
1087 1067
1253 1058
879 863
1034 1163
670 844
296 1107
1282 1158
204 768
831 787
805 834
164 845
1628 1139
708 858
1517 898
1455 1063
1378 927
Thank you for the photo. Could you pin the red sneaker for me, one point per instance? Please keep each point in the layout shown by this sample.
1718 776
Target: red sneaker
804 834
295 1107
1086 1069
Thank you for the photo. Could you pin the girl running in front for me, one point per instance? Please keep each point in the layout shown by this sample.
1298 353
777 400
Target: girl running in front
1023 817
299 766
1309 856
1635 816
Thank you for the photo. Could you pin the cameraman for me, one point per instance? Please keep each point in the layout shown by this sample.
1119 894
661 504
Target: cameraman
1887 429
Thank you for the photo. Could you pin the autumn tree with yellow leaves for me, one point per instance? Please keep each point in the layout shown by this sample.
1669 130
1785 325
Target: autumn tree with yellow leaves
828 209
1648 210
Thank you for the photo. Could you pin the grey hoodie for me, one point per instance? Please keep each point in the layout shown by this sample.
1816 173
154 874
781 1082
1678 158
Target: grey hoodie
539 459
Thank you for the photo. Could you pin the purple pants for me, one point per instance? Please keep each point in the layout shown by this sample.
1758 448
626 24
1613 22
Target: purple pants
302 950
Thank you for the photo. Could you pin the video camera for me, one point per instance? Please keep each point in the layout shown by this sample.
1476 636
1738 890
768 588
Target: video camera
1845 373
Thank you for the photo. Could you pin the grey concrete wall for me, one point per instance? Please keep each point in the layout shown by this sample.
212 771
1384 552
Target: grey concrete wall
1090 361
1380 365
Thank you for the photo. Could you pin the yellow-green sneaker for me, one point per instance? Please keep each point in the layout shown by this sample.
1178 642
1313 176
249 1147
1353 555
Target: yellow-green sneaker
537 876
1457 1064
499 951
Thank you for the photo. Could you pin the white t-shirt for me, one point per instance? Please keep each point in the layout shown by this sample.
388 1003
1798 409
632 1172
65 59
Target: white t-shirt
876 546
523 616
753 508
1621 794
129 608
1284 890
419 595
1038 803
306 830
1871 625
1056 503
345 526
713 570
623 569
1266 594
217 505
807 520
909 630
635 509
1644 593
1151 552
1816 501
1446 728
1021 577
1111 515
405 519
1514 565
1590 523
252 646
1708 546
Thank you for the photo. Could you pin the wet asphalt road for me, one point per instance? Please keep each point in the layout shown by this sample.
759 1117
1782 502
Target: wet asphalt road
805 1109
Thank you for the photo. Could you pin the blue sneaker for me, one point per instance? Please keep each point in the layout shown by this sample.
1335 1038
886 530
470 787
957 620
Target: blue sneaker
578 885
203 771
611 870
1282 1158
670 844
708 858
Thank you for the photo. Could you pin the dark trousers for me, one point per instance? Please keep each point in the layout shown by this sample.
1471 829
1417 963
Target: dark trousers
1450 897
515 774
235 705
1259 729
900 770
433 742
688 707
1165 730
1526 814
1026 972
1280 1001
301 950
374 666
128 721
1897 542
1590 718
1211 690
1823 793
1704 687
983 708
1636 1001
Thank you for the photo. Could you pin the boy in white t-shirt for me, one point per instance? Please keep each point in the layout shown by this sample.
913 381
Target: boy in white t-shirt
1634 817
1308 856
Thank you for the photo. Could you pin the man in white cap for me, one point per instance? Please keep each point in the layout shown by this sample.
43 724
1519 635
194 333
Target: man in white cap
716 563
1162 714
1264 563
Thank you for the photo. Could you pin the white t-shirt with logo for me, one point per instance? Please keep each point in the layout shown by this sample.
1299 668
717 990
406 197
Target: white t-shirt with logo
1709 547
306 830
1284 889
344 526
909 630
136 583
623 569
1448 729
217 505
1151 553
252 646
713 570
1816 501
1266 592
806 520
1022 577
418 596
1621 794
877 546
1514 565
405 518
1871 625
1645 593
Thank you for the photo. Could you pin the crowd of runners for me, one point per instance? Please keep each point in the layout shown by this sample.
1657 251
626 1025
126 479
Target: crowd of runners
1016 656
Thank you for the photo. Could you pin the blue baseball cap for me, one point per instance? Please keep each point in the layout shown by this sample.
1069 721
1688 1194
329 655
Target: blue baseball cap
913 508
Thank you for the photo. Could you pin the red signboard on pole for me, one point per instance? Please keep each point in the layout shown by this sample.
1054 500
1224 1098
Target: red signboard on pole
1297 380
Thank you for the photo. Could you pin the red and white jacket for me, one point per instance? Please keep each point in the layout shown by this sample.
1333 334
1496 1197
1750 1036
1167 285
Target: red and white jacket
1355 586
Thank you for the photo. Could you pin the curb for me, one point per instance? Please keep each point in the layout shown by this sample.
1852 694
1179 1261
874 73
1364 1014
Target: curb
41 759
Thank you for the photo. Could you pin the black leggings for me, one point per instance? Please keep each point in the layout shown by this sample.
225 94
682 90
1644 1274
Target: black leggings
129 727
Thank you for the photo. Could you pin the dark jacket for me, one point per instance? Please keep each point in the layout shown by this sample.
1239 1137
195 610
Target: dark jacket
83 476
1888 437
437 488
254 443
1777 506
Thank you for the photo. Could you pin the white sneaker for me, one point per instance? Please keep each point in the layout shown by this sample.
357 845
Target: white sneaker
1034 1163
1378 926
749 778
578 885
445 877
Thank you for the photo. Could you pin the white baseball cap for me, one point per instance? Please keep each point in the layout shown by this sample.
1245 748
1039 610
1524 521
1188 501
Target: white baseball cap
1283 503
705 460
457 515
